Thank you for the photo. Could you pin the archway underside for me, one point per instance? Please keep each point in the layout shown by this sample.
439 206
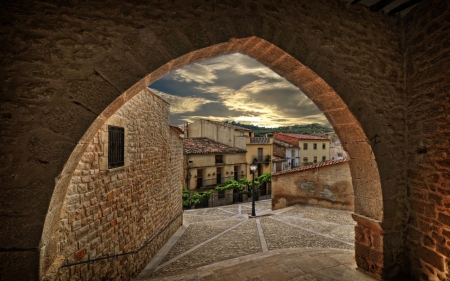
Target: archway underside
371 254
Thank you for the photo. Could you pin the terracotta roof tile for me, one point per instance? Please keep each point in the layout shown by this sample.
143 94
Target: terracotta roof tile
207 146
278 159
284 144
314 166
302 137
260 140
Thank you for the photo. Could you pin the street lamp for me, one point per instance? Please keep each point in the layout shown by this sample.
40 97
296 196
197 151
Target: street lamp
253 168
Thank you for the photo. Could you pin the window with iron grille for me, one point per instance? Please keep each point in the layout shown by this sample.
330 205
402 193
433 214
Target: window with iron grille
116 147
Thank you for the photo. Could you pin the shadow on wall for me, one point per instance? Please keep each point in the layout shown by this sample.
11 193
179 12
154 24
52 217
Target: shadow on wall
326 184
124 198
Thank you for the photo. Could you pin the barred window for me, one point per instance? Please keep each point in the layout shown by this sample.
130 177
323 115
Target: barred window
116 147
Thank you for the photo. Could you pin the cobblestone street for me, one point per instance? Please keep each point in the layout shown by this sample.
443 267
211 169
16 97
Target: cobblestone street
222 243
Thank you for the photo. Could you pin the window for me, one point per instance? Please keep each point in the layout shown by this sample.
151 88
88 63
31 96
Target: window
315 146
315 159
116 147
292 153
324 146
219 159
340 155
305 159
305 146
324 158
241 134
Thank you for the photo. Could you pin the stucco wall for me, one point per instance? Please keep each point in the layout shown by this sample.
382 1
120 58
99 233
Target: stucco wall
328 186
117 211
206 162
427 37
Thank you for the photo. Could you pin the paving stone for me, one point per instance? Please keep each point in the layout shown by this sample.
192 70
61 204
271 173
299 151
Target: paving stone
305 243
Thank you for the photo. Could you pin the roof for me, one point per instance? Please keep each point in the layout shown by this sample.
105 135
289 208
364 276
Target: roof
229 125
260 140
177 129
208 146
310 167
301 137
278 159
284 144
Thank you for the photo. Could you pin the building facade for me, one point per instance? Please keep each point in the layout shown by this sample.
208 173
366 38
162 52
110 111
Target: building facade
222 132
260 151
314 149
210 163
285 156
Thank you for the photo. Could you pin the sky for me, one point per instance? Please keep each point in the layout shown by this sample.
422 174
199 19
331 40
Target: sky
235 88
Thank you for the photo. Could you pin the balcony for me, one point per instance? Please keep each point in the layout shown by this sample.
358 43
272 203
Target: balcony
261 159
213 182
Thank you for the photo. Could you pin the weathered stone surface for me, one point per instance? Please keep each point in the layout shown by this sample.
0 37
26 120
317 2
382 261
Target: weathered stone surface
371 60
105 210
328 186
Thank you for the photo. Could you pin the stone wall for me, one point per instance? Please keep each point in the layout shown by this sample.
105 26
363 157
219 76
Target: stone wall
110 212
427 41
67 65
327 186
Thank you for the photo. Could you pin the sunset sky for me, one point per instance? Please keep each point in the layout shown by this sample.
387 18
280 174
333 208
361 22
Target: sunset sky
235 88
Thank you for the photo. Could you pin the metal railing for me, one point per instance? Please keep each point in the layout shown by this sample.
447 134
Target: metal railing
214 182
261 159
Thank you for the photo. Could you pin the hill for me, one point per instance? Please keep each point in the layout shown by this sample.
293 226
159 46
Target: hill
309 129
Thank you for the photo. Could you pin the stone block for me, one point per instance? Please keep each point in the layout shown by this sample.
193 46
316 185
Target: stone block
19 265
443 218
173 41
367 188
372 208
431 257
197 35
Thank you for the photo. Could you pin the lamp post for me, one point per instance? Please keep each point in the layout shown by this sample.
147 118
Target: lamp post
253 167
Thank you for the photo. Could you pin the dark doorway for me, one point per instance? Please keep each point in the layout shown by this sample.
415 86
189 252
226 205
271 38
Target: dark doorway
199 178
219 175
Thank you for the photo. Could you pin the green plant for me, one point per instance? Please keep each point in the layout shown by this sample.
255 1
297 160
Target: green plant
195 198
232 184
266 177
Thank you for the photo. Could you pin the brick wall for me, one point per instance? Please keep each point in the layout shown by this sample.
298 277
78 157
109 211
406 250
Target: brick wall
427 41
326 186
117 211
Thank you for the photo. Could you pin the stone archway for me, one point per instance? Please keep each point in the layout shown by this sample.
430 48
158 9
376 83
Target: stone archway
371 254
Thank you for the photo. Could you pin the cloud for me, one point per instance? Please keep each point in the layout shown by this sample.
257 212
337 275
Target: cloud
179 105
240 64
236 87
195 73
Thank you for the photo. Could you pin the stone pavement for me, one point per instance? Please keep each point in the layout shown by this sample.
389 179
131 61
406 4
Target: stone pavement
223 243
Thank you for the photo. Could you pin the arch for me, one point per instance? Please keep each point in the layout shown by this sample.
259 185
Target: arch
369 211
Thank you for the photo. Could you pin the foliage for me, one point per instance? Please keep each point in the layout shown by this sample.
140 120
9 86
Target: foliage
308 129
232 184
195 198
266 177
